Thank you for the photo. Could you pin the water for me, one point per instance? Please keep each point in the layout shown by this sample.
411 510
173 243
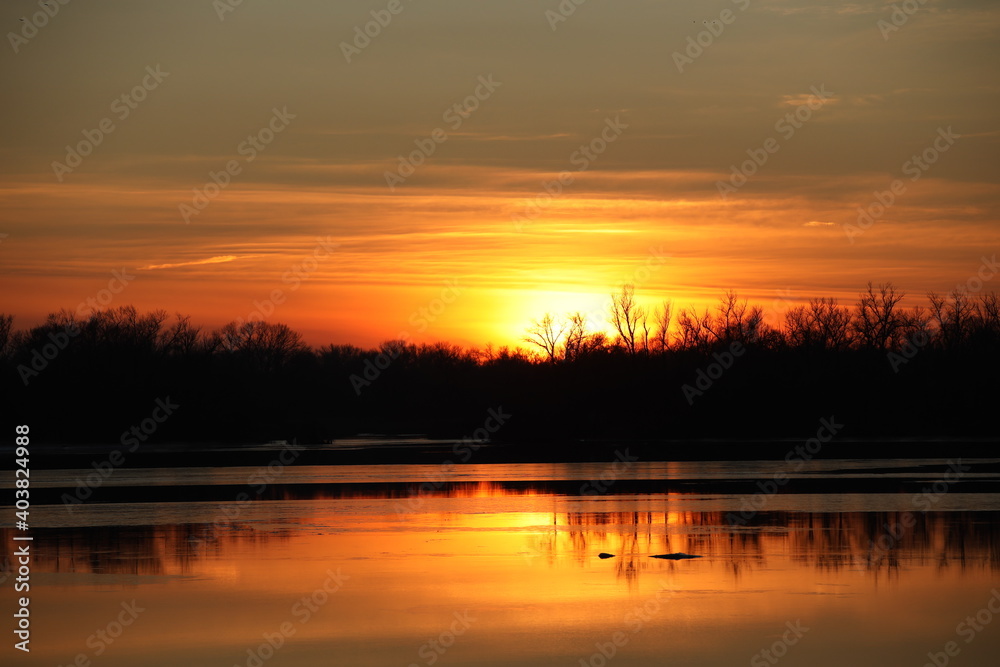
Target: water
498 565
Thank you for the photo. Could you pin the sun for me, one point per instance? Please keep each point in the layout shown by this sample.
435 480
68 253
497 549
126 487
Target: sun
518 309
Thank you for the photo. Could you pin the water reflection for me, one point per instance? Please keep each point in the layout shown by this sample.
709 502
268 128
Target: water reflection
877 542
827 541
520 557
134 550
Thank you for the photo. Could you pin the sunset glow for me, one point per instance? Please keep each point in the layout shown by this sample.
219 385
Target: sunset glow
561 166
609 333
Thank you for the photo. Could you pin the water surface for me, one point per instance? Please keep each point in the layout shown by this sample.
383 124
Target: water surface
498 565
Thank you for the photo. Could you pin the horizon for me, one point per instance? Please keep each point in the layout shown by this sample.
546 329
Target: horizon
774 316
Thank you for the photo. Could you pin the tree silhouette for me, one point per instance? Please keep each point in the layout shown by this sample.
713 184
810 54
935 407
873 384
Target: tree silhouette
6 330
263 345
181 339
736 320
695 330
929 371
662 318
878 322
546 334
627 317
955 316
822 325
576 336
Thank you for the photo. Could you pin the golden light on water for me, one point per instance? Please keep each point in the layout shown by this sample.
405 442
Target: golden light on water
522 562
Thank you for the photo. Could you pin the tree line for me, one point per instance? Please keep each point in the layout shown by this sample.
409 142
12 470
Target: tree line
880 368
876 321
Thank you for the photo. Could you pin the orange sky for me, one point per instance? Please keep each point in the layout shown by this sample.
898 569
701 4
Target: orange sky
649 198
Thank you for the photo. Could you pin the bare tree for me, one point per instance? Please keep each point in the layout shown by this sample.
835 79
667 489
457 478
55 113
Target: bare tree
736 320
265 345
695 330
832 322
823 324
878 320
596 342
546 334
6 323
916 325
397 348
181 338
988 311
576 336
954 317
646 329
114 327
662 317
799 331
627 316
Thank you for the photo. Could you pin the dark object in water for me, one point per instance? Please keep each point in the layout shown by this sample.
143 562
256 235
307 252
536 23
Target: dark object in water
676 556
605 555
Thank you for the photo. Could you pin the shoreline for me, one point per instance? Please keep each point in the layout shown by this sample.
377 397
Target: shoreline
458 452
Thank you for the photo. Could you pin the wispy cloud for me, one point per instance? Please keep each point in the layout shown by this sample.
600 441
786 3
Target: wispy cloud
218 259
803 98
818 223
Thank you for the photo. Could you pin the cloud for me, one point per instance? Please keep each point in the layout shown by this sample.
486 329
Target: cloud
218 259
817 223
804 98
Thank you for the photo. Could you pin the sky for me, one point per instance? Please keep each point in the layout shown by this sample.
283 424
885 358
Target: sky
468 166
